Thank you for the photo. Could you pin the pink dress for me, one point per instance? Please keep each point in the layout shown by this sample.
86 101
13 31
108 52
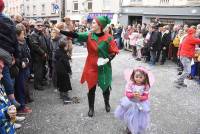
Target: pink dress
134 113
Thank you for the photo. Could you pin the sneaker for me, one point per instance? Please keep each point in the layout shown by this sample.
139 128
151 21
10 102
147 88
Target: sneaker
19 119
17 126
181 85
67 100
179 73
26 110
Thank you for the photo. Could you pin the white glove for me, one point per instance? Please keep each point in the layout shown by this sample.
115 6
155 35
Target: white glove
23 64
102 61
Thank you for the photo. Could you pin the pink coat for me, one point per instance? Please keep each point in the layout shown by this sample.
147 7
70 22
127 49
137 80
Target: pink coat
133 38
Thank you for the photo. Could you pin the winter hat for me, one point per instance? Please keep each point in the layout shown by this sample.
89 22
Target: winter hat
1 5
102 21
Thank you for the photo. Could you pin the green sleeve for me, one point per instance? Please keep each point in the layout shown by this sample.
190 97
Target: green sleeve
83 36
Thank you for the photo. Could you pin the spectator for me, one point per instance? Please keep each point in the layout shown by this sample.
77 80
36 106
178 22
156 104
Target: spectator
7 111
63 71
18 19
23 63
40 51
8 52
165 42
186 53
55 41
153 43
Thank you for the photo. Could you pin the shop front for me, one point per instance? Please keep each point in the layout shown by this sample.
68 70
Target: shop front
167 15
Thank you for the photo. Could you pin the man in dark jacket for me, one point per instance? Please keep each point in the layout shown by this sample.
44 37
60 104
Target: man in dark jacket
8 52
164 45
154 43
40 53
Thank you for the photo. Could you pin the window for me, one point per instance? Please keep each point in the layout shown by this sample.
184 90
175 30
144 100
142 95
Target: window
107 4
43 7
89 5
27 9
75 6
34 10
164 1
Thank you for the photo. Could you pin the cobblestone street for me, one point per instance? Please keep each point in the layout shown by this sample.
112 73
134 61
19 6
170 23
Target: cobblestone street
173 111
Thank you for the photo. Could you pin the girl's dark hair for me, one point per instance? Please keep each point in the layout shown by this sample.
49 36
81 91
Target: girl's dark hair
146 81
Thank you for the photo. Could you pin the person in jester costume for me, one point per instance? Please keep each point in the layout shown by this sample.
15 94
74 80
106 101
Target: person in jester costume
101 49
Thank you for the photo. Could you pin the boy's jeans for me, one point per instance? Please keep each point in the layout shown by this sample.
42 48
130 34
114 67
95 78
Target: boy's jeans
20 85
153 57
186 69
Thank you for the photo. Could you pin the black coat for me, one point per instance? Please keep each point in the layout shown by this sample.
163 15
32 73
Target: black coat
8 38
62 62
154 41
38 47
165 40
24 55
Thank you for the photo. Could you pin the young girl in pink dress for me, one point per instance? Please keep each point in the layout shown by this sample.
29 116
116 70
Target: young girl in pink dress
134 108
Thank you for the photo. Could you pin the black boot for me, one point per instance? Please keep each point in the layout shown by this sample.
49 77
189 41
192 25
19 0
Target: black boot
106 96
91 98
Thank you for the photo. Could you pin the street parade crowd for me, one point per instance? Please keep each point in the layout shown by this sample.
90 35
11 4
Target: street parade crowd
41 51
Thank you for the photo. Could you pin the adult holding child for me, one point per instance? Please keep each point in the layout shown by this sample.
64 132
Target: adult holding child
101 50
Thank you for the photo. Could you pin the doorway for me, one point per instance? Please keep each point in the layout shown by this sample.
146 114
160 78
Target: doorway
134 20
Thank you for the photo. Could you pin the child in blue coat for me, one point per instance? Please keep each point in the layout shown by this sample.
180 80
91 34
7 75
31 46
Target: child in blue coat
7 111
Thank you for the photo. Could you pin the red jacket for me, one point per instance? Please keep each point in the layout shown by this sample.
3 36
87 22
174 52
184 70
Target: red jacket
90 72
187 47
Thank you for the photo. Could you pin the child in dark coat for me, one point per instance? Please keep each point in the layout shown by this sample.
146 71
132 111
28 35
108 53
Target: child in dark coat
63 70
23 62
